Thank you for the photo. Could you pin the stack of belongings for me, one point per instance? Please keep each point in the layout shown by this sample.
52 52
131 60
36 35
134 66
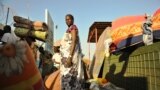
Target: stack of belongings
18 70
27 28
102 84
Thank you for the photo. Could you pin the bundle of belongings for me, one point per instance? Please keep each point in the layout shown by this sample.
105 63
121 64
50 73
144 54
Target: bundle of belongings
18 70
102 84
34 29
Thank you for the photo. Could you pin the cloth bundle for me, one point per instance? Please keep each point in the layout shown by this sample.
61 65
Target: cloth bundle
53 82
28 24
18 70
34 29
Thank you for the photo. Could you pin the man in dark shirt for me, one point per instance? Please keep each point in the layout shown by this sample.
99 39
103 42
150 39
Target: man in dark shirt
45 62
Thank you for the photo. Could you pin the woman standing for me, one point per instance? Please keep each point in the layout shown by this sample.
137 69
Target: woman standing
71 68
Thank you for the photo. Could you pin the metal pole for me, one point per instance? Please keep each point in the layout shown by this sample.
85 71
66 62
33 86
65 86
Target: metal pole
7 15
96 42
89 51
96 36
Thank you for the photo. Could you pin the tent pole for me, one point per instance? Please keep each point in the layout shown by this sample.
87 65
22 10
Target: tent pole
7 15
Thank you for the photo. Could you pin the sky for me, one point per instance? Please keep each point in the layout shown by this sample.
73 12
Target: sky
85 12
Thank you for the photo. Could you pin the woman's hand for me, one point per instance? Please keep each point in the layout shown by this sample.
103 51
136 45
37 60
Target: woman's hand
68 62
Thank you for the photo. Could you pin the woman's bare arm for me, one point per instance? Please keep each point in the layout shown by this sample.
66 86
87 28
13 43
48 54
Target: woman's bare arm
74 39
73 45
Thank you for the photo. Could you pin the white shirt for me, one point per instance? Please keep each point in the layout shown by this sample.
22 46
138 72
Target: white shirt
8 38
57 58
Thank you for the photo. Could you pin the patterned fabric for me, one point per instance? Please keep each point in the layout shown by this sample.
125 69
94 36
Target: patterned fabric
56 58
148 39
71 82
147 31
147 26
72 77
